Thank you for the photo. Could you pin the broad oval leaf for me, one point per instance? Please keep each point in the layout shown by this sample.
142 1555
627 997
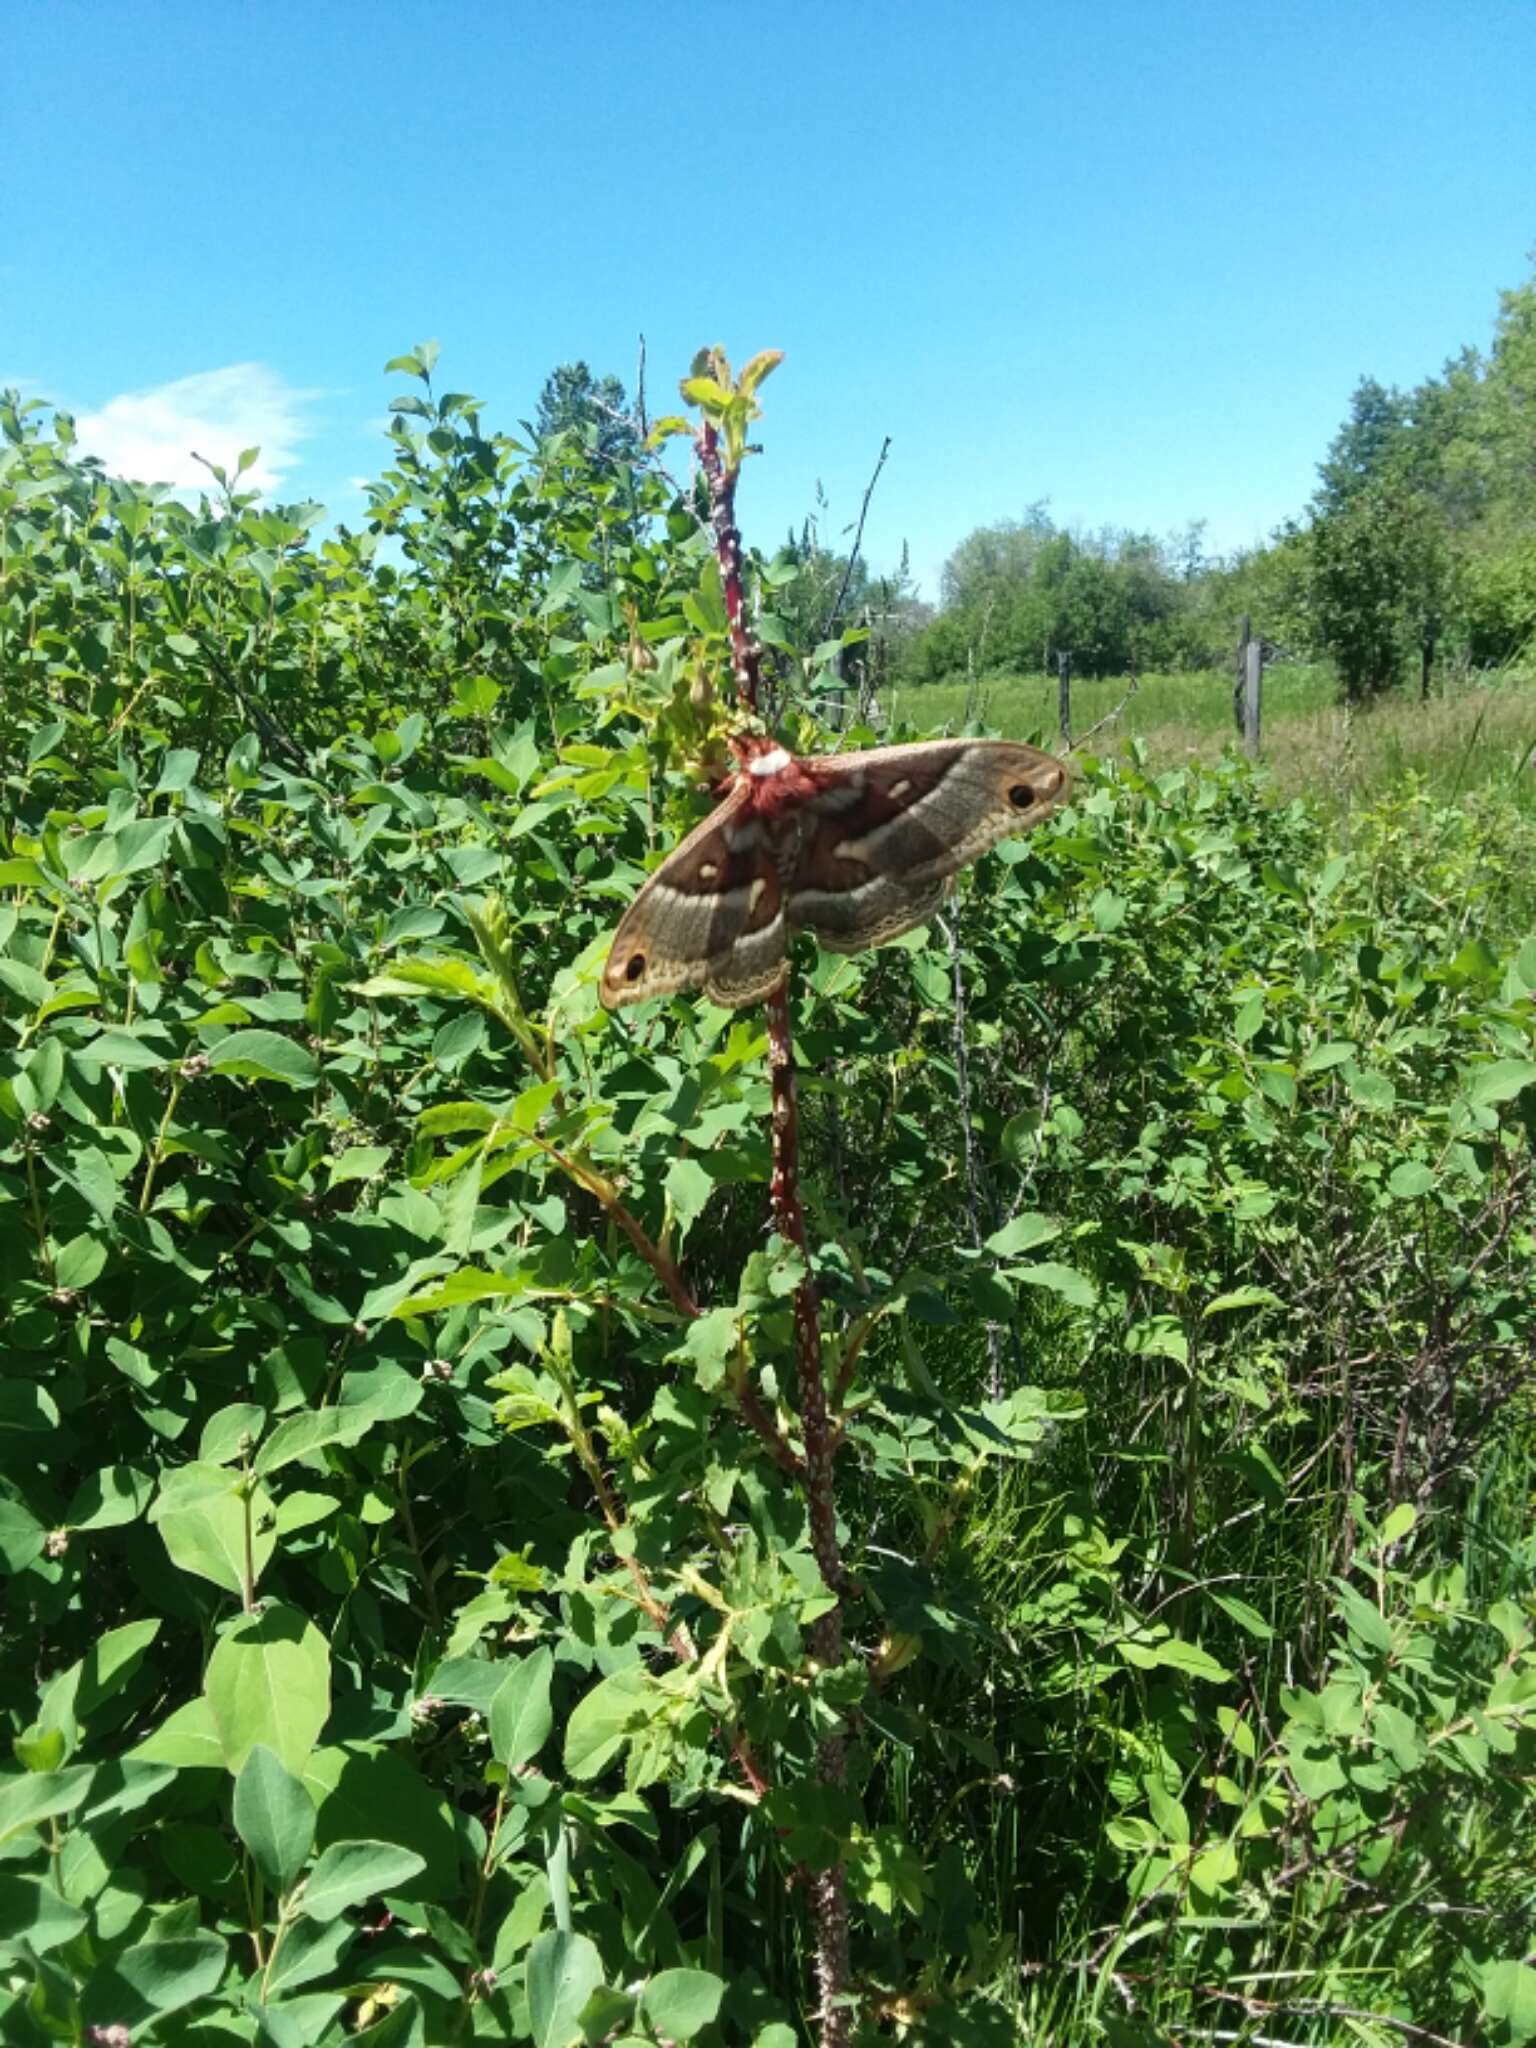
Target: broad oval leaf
521 1716
257 1055
347 1873
274 1817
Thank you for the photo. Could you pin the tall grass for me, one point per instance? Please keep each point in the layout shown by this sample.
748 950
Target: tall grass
1472 732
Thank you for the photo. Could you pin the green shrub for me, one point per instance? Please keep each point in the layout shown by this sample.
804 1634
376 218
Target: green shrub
408 1599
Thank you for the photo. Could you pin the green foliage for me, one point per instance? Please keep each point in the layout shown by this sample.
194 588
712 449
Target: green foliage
407 1595
1017 594
595 409
1379 583
1426 511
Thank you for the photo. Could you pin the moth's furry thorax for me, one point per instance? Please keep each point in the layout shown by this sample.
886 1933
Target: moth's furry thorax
773 780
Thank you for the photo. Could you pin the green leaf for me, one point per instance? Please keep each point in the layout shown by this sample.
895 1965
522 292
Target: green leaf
34 1796
274 1817
464 1286
309 1949
176 771
24 981
563 1971
31 1911
1066 1281
1366 1623
403 2026
22 1536
1509 1996
187 1739
111 1661
1407 1181
1214 1869
211 1530
1499 1081
265 1056
1476 961
120 1049
1249 1019
313 1429
688 1190
1333 1053
1174 1655
269 1681
359 1162
139 844
681 2003
79 1262
1168 1814
1278 1082
1372 1091
521 1716
600 1720
110 1497
230 1431
348 1873
1023 1234
1242 1297
1246 1617
155 1978
29 1409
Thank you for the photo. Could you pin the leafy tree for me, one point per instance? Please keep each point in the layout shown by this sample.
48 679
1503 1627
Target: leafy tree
597 409
1361 452
1379 578
994 559
1018 593
1511 389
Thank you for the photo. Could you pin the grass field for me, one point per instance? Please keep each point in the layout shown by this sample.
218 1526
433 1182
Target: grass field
1468 734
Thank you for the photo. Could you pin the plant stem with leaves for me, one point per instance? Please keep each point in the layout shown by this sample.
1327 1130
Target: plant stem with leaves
828 1887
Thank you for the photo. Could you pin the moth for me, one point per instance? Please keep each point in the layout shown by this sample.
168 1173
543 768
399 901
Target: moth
851 847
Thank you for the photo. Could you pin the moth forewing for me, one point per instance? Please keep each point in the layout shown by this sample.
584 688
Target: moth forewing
709 901
962 797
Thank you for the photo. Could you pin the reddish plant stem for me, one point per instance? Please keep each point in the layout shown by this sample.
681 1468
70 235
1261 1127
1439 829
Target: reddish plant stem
828 1888
664 1266
603 1190
746 655
829 1896
789 1216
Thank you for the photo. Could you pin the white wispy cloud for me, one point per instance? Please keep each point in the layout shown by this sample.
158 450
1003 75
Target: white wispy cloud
150 436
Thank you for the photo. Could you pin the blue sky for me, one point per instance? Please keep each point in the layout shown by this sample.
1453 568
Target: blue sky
1129 258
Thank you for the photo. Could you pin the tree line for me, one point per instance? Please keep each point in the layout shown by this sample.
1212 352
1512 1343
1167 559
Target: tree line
1416 552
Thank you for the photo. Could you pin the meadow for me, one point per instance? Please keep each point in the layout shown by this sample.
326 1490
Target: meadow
1476 728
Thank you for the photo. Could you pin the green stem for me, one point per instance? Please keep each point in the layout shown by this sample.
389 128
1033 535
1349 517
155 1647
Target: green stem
152 1164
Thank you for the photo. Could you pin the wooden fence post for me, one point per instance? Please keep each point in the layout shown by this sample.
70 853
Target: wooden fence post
1064 693
1429 635
1244 635
1253 694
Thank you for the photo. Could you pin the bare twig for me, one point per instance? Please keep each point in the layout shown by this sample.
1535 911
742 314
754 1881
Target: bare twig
1108 718
858 538
281 742
1324 2008
967 1137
